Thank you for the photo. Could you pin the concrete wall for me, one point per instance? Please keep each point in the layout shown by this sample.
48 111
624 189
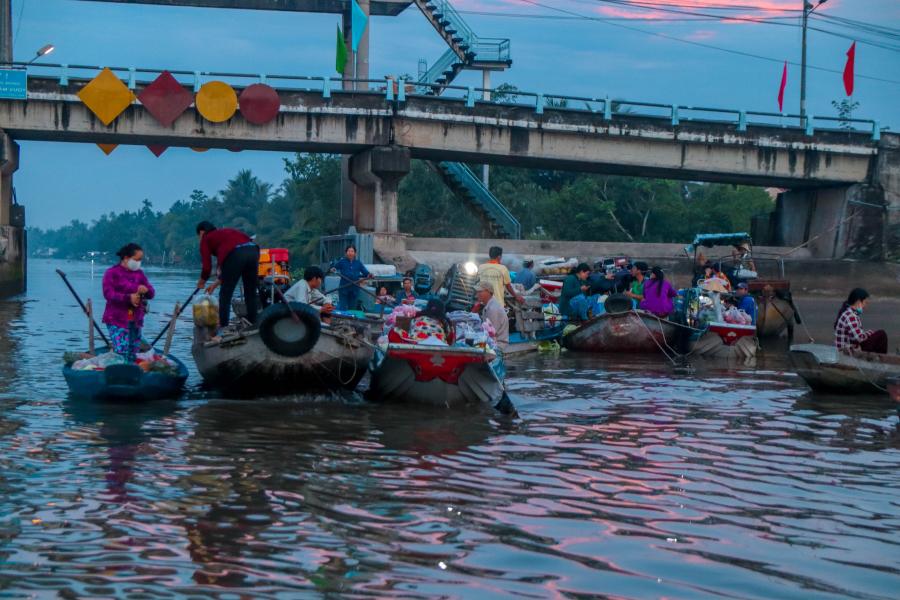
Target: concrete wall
12 260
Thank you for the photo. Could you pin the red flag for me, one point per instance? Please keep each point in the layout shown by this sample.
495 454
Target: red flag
848 69
781 88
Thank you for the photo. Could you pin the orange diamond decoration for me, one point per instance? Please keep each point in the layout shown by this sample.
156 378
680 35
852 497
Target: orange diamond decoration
107 148
106 96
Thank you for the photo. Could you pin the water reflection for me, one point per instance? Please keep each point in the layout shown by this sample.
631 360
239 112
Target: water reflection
622 478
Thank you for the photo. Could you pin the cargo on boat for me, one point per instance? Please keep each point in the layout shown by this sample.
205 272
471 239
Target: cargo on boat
116 380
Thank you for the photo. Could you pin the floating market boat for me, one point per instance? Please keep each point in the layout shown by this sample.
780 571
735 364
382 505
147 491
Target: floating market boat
128 382
284 355
619 330
825 368
445 376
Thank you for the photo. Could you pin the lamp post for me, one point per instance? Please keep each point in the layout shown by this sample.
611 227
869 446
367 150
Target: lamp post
807 9
44 50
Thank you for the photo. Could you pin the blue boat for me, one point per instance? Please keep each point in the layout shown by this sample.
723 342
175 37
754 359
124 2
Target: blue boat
126 382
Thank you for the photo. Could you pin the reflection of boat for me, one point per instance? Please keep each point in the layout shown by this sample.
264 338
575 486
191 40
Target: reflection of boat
437 375
127 382
826 368
244 361
630 331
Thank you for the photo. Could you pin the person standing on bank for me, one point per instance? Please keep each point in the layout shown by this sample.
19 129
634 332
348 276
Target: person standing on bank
125 287
352 273
848 332
237 258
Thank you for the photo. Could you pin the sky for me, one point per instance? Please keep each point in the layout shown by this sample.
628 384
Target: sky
574 47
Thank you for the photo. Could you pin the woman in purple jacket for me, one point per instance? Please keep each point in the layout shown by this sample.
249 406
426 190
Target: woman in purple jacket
126 289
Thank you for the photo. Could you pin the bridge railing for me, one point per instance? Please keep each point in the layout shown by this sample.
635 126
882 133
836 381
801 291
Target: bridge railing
396 91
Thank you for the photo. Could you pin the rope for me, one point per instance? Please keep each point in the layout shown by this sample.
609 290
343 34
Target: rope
814 238
653 337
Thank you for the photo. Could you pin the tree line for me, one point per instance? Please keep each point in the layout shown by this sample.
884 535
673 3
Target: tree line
305 205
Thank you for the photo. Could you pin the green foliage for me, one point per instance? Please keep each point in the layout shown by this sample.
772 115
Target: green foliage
306 205
845 110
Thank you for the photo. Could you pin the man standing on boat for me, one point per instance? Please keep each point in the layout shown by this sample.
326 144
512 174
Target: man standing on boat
495 273
237 258
492 311
352 272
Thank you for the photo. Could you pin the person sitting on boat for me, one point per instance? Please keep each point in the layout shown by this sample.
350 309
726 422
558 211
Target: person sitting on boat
352 271
658 294
745 301
573 299
407 294
126 287
848 331
308 291
237 258
494 313
431 323
526 277
494 272
384 297
638 276
718 273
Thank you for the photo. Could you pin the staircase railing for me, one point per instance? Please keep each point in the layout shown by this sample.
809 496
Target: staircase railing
454 19
447 60
485 198
491 49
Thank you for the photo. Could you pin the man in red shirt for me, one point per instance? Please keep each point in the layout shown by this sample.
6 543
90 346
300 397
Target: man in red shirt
237 258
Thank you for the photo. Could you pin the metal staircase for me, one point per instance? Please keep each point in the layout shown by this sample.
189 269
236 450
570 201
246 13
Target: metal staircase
466 51
497 220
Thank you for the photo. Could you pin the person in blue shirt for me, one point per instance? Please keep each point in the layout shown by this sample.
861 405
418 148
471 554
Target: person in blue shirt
526 276
745 301
351 271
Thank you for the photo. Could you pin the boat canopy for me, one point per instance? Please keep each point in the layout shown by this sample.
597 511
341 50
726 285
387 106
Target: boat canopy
708 240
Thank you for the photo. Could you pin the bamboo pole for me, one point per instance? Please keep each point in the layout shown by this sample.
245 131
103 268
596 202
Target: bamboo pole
171 331
90 316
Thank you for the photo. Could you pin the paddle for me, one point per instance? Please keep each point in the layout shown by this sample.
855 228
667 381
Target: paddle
169 324
83 307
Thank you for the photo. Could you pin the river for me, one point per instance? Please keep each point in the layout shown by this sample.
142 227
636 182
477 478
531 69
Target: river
620 479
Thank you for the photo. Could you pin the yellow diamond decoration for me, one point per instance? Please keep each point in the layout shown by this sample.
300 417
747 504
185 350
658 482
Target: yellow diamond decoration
106 96
216 101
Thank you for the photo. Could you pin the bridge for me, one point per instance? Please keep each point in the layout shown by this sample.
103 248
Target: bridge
843 175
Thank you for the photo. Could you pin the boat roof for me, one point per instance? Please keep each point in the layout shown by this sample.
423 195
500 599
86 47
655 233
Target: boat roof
708 240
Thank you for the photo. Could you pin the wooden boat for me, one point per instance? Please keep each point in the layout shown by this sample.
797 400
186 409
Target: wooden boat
825 368
630 331
127 382
242 362
775 312
445 376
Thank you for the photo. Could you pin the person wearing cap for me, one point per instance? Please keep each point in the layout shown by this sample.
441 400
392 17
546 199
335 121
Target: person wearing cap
493 312
526 277
745 301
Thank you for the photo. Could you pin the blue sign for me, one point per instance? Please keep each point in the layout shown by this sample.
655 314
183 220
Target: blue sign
13 84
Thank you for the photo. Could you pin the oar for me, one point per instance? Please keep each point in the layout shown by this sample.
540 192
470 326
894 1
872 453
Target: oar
83 307
178 314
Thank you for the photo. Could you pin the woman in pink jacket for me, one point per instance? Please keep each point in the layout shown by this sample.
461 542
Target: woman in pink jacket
126 290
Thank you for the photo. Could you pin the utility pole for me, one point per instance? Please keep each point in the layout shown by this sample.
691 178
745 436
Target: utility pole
807 10
6 46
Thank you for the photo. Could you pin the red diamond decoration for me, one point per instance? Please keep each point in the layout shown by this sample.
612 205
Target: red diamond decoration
165 98
156 149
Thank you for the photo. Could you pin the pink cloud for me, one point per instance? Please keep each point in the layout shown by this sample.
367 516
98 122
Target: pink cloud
700 35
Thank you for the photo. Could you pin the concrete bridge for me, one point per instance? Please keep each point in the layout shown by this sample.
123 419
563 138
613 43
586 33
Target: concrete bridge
832 174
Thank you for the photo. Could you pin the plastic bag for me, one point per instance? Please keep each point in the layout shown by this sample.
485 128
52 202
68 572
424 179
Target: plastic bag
206 312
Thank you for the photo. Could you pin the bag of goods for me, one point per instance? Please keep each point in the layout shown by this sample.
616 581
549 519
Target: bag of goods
206 312
99 362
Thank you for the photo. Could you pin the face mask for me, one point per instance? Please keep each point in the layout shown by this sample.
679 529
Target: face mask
859 310
133 265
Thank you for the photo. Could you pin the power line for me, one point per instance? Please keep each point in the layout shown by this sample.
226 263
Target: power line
700 44
541 16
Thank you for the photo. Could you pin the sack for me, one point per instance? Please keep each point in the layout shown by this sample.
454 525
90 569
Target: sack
206 312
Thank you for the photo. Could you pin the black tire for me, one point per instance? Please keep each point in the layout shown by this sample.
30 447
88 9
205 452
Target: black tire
617 303
283 336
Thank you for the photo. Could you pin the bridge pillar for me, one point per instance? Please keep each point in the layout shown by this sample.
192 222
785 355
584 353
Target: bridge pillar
377 173
12 223
860 221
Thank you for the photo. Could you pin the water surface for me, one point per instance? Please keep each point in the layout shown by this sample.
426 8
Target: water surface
620 479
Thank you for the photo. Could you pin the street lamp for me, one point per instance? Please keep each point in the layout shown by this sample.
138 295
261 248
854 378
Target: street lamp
45 50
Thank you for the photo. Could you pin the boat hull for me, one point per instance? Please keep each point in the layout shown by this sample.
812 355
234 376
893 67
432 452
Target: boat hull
244 363
825 368
436 376
633 331
774 316
126 383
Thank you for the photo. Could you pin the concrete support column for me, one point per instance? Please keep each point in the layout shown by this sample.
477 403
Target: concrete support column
887 183
486 95
12 223
377 173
